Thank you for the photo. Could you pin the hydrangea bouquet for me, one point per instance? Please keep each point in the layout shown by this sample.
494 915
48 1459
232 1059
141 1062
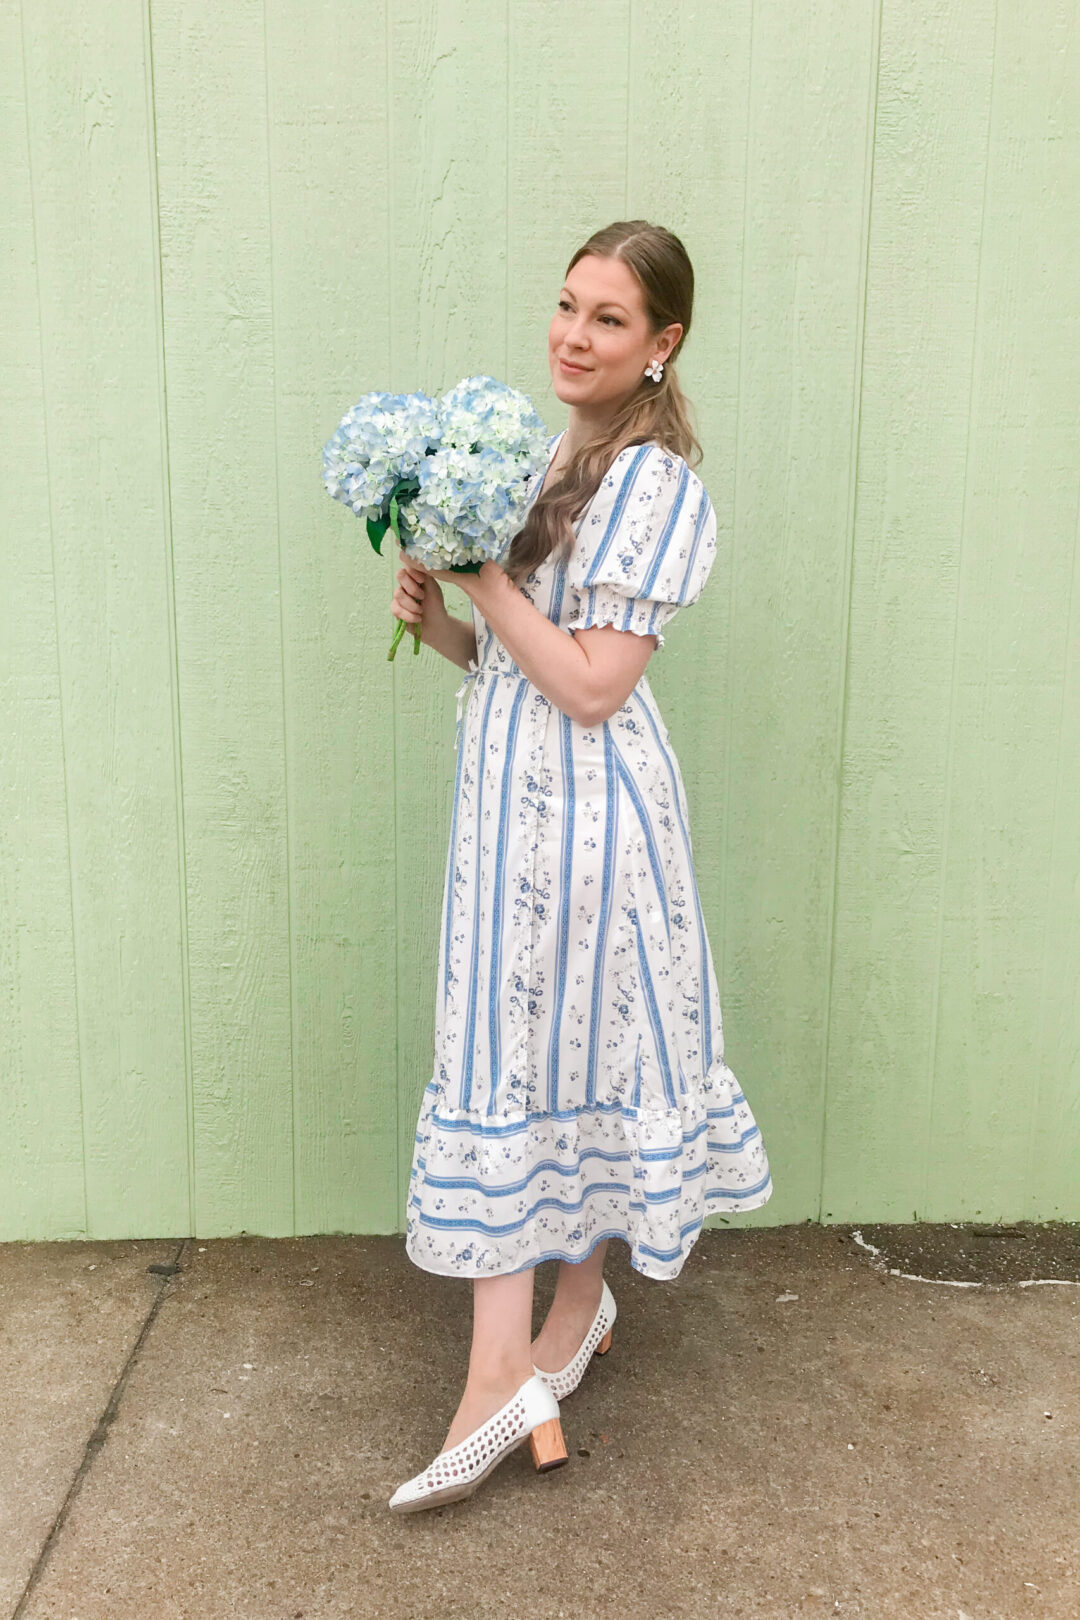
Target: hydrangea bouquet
447 476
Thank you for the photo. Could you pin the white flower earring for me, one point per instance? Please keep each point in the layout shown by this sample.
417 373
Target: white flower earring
655 370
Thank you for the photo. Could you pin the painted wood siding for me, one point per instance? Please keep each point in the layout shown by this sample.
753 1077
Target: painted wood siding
224 815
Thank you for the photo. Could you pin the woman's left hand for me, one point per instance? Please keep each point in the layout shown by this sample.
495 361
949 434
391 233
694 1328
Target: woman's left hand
446 576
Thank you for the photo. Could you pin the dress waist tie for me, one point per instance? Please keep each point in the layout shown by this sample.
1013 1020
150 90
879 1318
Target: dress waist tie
474 670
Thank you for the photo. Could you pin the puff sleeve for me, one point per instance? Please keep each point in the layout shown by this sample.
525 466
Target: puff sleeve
645 544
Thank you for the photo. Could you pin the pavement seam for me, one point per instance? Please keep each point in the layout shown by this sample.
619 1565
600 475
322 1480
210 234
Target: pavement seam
877 1264
97 1436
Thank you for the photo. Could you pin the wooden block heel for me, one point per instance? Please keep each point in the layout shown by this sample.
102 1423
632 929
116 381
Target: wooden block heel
605 1344
548 1446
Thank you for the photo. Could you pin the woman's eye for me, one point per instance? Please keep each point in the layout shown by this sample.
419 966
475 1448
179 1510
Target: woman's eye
564 305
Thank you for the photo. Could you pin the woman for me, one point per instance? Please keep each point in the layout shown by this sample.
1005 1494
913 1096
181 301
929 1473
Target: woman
579 1090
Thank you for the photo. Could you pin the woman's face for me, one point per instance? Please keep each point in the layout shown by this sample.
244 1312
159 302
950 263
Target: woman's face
600 325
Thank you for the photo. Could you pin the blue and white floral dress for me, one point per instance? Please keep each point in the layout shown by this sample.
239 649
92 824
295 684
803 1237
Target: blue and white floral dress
579 1088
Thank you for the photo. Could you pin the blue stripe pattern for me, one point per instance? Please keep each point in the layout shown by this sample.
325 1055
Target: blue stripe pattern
675 781
470 1018
497 916
566 872
615 516
611 816
667 531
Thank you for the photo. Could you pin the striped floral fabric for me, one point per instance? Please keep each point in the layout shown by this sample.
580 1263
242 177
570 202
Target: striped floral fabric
579 1088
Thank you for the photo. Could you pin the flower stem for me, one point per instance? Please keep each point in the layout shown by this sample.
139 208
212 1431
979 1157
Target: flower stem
400 631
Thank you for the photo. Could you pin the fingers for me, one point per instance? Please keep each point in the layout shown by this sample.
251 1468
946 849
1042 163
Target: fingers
409 597
403 610
411 586
412 599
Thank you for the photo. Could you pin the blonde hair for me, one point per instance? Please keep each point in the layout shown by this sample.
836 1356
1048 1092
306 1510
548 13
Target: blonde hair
657 412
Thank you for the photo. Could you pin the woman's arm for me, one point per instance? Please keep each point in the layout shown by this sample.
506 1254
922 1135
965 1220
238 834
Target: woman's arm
588 674
454 638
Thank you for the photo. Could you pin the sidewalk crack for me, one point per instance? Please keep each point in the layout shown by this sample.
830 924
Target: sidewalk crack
100 1429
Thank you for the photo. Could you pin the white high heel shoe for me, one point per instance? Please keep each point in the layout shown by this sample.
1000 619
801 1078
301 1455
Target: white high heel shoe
596 1342
531 1413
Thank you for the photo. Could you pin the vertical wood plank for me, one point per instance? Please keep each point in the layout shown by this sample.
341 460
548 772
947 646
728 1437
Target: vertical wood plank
210 95
567 166
42 1192
914 426
328 156
1003 1132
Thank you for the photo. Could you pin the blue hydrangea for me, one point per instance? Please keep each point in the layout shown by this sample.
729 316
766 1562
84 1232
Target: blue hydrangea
382 439
467 458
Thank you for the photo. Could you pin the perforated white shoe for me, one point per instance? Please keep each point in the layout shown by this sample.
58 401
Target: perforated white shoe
531 1413
596 1342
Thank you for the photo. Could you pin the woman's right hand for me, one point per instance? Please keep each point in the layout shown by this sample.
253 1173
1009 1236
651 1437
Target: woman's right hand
418 598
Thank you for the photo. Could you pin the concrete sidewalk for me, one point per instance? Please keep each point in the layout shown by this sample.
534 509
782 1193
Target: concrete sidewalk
794 1427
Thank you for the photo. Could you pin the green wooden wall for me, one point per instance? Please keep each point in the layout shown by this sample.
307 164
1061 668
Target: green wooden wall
223 814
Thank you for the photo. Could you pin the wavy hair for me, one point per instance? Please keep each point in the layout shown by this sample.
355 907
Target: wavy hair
657 412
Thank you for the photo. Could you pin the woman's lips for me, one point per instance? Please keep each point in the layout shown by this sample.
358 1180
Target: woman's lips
575 370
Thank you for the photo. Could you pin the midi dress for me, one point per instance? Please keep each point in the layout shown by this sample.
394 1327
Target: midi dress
579 1089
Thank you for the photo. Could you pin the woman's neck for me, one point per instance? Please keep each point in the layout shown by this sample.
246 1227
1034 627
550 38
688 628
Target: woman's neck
582 426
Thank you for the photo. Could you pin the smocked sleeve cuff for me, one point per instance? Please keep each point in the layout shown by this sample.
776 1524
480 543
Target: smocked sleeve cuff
604 604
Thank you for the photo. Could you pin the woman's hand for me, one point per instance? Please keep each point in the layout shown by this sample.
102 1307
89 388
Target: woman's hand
418 598
464 578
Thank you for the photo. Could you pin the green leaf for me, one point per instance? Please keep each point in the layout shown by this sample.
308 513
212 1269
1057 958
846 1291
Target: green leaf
376 528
